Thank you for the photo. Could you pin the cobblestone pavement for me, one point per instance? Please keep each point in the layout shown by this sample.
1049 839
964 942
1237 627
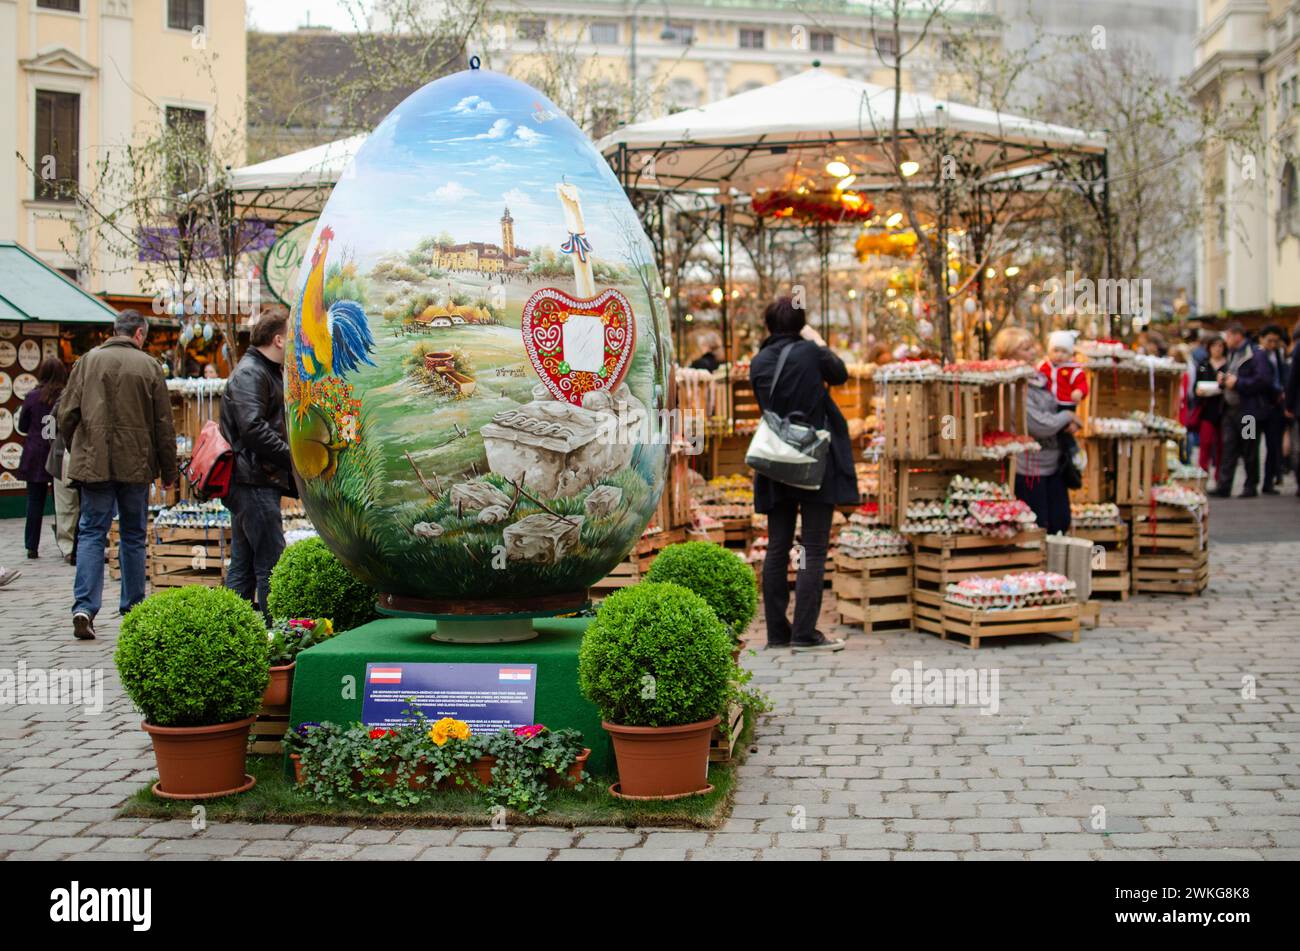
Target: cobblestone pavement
1143 719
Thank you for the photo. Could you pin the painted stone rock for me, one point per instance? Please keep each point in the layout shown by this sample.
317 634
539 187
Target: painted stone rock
475 373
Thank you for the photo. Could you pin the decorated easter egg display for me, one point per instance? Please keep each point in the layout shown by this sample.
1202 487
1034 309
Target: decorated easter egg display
476 368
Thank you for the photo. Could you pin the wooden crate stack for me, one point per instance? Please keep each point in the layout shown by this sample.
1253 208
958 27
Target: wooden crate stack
971 625
183 556
1171 550
1111 577
633 568
874 593
941 560
266 738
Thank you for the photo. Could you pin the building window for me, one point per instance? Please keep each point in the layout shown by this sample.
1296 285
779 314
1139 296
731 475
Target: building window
71 6
751 39
1289 212
184 14
822 42
604 33
187 148
58 129
679 34
885 47
70 273
531 29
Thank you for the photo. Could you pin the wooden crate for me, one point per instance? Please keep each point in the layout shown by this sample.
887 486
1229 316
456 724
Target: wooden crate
185 556
1170 550
874 593
910 482
911 420
738 533
1097 471
727 454
975 624
624 575
854 397
723 747
1118 391
969 411
648 547
267 734
675 503
1139 465
1111 577
941 560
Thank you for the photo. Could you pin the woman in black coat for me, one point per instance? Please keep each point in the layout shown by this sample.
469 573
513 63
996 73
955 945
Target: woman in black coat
37 408
801 387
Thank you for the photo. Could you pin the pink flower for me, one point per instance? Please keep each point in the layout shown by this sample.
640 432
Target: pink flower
305 622
528 732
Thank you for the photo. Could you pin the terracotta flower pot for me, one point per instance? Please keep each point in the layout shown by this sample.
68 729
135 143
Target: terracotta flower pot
389 778
573 775
201 762
662 761
297 768
280 687
736 651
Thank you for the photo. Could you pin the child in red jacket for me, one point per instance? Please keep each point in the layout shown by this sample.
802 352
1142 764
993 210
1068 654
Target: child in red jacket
1067 381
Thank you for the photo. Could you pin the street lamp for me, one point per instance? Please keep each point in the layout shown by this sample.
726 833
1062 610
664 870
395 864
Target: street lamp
666 34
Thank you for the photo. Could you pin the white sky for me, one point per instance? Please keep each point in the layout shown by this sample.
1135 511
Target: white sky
278 16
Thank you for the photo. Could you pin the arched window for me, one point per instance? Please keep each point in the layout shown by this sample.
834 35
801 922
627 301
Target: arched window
1288 217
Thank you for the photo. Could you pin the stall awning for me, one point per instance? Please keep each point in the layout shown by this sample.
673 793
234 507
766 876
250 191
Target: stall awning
754 138
32 290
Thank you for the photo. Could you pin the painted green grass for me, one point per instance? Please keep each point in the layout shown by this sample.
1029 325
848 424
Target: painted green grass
275 798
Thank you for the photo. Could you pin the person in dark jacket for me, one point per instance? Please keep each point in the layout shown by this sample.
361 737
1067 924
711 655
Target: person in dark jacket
252 421
116 419
1209 409
1273 353
36 423
1292 402
1246 382
801 388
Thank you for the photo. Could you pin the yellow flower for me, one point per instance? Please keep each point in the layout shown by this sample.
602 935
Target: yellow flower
449 729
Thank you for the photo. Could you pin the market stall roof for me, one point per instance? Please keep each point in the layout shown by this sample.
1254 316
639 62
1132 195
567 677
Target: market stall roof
310 168
292 188
32 290
753 139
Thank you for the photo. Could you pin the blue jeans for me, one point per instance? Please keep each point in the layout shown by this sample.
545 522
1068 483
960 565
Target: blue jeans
98 500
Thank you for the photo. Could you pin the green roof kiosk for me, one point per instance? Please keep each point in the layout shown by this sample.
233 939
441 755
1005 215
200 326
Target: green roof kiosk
38 305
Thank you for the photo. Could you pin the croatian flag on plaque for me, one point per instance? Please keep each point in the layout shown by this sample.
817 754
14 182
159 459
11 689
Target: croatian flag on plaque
385 675
514 673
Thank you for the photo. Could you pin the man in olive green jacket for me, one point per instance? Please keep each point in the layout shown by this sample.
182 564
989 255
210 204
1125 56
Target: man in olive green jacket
116 416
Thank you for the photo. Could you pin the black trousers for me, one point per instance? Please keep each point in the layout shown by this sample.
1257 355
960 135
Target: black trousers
257 539
1274 427
36 492
815 536
1236 446
1049 498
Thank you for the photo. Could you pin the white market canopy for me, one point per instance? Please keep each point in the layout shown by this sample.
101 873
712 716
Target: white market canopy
756 139
293 187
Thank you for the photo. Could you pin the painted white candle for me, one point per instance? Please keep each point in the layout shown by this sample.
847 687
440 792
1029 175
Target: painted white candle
584 281
584 342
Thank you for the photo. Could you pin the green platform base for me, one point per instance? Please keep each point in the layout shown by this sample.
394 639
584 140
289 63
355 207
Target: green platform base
319 684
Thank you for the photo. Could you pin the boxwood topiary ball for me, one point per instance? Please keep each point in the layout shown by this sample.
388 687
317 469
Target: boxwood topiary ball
716 575
308 581
655 655
193 656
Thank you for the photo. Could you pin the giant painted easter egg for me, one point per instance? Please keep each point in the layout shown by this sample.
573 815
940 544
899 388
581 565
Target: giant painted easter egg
475 370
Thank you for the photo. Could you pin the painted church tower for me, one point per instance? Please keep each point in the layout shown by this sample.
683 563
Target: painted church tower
508 234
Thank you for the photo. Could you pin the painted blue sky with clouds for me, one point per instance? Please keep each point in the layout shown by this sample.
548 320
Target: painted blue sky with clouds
458 151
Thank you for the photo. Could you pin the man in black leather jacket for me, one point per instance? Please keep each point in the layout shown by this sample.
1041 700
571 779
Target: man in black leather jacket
252 421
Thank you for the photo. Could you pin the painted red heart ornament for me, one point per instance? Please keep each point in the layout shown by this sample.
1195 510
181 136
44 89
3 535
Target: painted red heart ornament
578 345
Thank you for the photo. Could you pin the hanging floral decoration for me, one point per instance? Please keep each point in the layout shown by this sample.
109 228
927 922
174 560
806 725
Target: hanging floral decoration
900 244
812 206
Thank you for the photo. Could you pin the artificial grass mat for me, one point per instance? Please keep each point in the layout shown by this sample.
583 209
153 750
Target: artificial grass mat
276 798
